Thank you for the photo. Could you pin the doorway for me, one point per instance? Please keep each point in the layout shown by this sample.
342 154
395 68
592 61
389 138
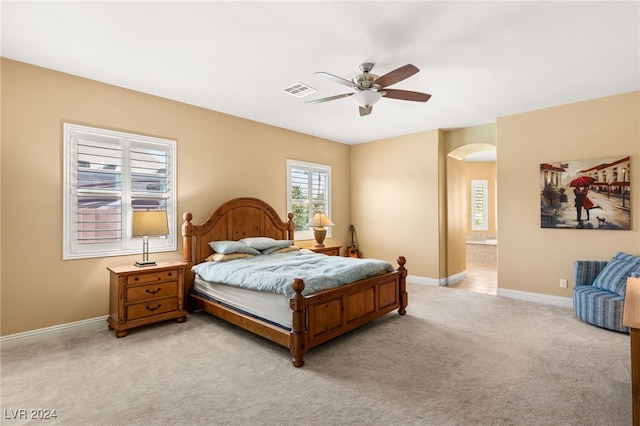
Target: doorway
474 184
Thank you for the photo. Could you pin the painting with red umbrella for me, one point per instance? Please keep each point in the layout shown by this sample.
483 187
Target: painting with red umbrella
586 194
582 181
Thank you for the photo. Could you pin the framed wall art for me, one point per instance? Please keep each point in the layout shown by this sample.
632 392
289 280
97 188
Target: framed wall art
586 194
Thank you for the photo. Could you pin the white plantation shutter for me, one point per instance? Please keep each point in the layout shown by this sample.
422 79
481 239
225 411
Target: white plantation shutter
98 188
308 192
479 205
107 175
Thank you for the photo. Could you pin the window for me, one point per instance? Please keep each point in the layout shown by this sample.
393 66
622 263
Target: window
107 175
308 192
479 205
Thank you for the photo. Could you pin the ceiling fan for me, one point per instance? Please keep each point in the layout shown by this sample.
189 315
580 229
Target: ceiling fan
370 88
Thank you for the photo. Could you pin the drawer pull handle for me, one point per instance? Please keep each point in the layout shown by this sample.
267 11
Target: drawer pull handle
153 291
170 273
136 279
153 309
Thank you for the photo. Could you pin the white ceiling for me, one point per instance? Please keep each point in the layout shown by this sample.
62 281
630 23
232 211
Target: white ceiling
478 60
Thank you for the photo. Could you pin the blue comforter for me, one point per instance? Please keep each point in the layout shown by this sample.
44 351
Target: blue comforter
275 273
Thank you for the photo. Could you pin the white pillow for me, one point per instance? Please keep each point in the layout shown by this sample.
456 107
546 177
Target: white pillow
259 243
229 247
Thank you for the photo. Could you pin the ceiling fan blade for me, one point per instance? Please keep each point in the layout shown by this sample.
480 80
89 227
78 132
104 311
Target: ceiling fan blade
397 75
365 110
406 95
338 80
330 98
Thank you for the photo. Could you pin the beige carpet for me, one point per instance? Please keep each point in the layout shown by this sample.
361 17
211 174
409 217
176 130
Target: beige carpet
456 358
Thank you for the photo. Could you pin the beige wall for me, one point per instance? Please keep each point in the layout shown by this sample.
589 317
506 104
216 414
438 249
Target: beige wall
533 259
457 216
396 190
219 157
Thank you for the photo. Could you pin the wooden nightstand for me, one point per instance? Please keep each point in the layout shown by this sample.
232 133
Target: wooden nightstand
328 250
145 295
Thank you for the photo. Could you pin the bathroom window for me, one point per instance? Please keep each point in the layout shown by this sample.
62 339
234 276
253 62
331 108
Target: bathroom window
479 195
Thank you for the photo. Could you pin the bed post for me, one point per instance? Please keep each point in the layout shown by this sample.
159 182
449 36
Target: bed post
402 286
298 305
292 226
187 256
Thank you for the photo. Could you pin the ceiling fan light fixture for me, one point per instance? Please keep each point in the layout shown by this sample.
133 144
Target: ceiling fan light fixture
365 98
369 88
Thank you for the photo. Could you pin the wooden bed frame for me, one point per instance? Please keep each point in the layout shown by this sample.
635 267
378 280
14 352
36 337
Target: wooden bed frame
317 318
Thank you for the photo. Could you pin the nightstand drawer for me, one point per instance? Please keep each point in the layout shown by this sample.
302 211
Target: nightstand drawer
151 277
153 307
333 251
329 250
152 291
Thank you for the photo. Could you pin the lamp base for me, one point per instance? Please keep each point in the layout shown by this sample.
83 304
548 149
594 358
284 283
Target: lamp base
147 263
319 234
145 253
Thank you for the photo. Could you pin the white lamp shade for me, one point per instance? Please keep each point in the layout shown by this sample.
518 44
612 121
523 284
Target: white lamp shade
320 219
147 223
366 98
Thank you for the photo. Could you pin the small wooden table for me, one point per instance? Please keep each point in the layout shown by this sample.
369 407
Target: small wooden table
145 295
631 319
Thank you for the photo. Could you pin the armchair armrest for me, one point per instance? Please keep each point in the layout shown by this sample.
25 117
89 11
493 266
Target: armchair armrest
586 271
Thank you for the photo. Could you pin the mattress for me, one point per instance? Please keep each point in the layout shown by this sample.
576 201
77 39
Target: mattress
271 307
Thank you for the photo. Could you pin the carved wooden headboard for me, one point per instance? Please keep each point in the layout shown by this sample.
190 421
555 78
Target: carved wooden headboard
236 219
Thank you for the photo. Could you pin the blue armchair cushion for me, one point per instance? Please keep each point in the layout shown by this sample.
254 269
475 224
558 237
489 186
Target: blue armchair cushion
600 308
613 276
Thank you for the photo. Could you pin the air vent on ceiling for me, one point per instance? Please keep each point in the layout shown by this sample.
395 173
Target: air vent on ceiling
300 90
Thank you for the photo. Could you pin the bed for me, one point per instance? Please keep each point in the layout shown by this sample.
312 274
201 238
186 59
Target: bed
311 319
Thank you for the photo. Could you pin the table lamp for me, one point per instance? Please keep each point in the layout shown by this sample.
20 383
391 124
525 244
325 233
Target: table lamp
319 221
148 223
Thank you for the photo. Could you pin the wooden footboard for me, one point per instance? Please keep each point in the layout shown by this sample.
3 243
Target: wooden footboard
328 314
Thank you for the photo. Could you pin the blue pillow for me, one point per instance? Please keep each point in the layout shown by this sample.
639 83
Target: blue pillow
626 257
230 247
614 276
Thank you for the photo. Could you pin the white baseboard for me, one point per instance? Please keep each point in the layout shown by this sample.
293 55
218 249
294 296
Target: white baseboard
56 329
565 302
414 279
434 282
454 278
